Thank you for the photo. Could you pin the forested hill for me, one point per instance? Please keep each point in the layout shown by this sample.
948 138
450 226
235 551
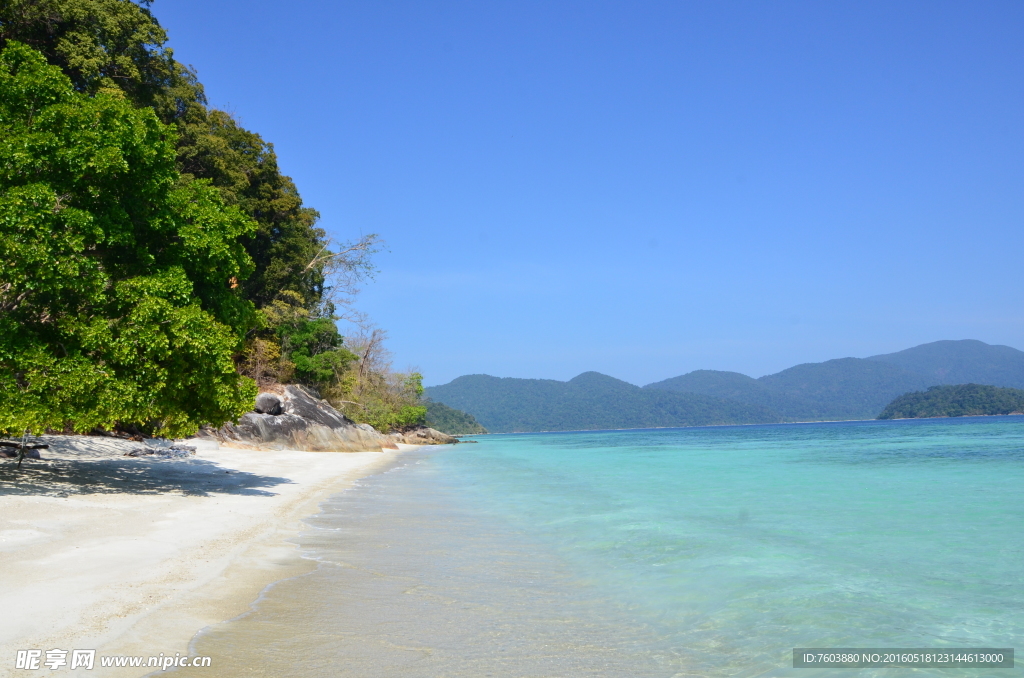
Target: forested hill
962 362
588 402
859 388
845 388
963 400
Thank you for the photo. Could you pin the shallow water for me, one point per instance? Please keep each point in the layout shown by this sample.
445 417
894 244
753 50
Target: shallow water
706 552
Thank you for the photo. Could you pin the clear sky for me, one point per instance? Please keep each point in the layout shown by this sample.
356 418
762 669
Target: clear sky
646 188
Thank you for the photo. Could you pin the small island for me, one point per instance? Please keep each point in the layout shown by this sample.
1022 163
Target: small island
960 400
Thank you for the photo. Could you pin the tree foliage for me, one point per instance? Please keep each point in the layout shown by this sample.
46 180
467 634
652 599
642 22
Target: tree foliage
105 45
117 46
372 392
962 400
118 290
450 420
300 282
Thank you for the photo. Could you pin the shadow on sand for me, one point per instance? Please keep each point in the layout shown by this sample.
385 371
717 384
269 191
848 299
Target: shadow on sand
196 477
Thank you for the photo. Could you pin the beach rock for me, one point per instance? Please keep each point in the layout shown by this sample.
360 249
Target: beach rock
423 435
303 422
175 451
269 403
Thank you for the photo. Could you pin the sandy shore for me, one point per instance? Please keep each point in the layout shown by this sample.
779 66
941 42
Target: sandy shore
133 556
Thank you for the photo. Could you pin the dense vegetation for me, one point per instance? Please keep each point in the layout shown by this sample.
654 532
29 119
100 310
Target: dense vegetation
848 388
178 247
963 400
116 289
587 402
450 420
117 48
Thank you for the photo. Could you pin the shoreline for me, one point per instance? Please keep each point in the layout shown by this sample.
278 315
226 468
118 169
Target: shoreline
133 556
772 423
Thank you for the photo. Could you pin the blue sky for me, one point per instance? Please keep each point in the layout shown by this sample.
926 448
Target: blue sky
646 188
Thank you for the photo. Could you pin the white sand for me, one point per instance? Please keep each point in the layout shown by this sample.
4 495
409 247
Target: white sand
135 556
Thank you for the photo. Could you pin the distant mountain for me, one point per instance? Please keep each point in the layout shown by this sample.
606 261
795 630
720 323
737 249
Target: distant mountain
846 388
962 362
590 401
728 385
451 421
962 400
859 388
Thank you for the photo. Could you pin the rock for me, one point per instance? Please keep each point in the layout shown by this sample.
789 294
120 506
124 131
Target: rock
304 422
172 452
422 435
269 403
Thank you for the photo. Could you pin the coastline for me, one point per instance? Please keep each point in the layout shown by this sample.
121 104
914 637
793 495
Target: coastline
135 556
771 423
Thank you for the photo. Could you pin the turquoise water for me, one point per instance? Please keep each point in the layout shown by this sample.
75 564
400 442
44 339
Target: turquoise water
703 551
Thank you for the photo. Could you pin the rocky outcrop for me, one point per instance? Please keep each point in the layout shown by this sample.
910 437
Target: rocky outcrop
423 435
173 451
294 418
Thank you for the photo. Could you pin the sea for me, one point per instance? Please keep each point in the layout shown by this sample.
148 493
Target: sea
653 553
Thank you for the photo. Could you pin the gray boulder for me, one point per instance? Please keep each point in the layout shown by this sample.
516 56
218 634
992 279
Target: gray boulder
422 435
295 419
269 403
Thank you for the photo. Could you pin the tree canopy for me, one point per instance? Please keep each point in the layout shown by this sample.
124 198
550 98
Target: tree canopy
117 46
286 282
959 400
119 290
450 420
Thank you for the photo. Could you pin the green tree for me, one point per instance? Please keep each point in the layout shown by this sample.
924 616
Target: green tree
119 287
116 46
315 348
372 392
450 420
106 45
292 343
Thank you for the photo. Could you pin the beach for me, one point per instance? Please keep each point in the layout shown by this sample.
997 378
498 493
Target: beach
671 552
134 556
